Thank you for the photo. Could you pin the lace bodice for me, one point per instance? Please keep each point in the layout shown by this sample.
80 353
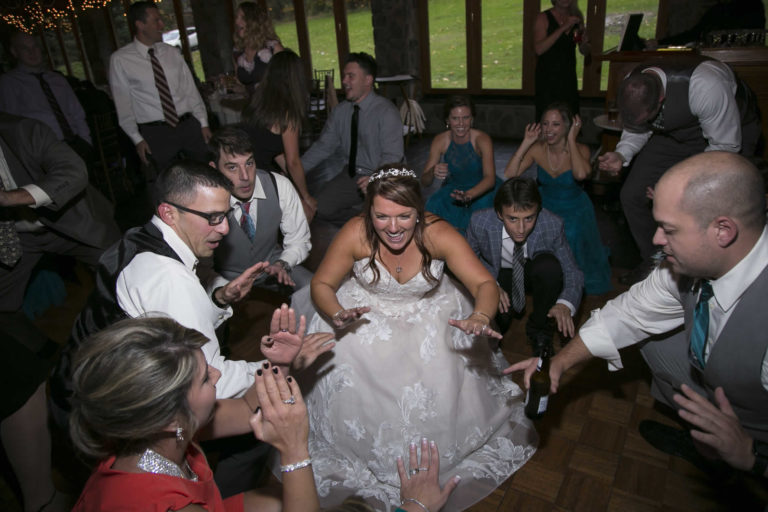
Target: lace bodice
387 290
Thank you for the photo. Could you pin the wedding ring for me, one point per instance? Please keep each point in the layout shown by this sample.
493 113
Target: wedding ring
413 471
290 401
423 469
283 330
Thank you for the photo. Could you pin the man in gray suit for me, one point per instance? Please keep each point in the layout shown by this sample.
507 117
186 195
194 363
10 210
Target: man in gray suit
522 244
710 211
45 193
264 205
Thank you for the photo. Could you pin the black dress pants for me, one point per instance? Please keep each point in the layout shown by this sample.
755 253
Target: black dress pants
544 281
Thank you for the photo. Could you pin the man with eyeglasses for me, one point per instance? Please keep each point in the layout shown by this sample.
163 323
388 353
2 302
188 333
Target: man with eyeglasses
671 110
152 270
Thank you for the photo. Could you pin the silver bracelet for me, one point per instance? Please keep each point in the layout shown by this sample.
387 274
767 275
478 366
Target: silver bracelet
414 500
293 467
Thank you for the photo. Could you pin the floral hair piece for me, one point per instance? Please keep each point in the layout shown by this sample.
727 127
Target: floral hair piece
392 171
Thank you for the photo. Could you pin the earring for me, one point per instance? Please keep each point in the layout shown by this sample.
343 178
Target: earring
446 126
179 434
417 220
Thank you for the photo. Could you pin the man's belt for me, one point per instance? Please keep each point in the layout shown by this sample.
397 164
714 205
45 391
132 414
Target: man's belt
182 118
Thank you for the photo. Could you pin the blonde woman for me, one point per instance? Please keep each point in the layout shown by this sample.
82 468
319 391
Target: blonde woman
255 43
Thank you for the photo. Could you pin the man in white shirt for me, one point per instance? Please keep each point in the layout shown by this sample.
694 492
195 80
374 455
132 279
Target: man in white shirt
710 211
158 105
153 270
264 205
671 110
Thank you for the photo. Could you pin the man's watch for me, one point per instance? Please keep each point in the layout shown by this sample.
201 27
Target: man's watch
283 264
760 451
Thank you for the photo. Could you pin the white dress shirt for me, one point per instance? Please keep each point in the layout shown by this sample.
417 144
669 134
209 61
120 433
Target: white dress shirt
152 284
653 306
712 99
132 82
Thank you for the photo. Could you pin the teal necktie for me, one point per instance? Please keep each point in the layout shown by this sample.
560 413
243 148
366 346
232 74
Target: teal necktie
701 322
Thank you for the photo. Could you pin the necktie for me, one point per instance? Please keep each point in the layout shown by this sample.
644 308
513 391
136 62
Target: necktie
10 245
701 322
353 143
518 274
53 102
246 222
169 109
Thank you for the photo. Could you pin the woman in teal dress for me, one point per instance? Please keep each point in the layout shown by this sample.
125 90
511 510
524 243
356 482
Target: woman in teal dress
561 164
462 159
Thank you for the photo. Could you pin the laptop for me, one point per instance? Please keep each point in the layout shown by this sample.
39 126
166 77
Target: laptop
630 40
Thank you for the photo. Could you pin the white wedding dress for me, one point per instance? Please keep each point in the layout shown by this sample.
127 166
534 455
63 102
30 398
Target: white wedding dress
400 374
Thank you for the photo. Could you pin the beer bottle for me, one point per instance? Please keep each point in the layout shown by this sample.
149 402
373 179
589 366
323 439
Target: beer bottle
538 393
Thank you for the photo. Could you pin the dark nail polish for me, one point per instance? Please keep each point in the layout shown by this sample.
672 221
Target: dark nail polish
289 379
257 410
274 370
266 365
258 372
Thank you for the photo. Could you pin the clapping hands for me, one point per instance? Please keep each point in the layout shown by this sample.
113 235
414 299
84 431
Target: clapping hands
286 343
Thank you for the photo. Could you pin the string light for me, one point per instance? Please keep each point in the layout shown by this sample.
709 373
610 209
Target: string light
44 15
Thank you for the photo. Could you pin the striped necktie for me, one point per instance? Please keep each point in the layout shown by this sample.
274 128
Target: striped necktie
169 109
518 275
246 222
66 129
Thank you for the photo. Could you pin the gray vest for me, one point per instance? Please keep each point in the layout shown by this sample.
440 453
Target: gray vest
236 252
679 122
736 359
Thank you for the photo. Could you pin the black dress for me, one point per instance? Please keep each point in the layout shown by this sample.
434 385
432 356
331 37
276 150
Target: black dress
266 146
556 71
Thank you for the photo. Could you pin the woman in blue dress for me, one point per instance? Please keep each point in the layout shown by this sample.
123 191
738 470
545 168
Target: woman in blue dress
462 159
561 164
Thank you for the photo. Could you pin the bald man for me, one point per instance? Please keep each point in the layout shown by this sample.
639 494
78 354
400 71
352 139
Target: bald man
710 211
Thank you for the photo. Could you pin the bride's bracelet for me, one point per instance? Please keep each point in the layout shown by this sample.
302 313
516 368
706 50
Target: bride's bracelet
298 465
414 501
338 313
481 313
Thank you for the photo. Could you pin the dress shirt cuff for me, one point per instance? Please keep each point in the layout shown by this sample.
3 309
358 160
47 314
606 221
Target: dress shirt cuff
39 195
203 121
568 304
216 282
598 341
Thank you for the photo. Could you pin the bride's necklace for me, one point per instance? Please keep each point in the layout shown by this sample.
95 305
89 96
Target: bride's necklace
152 462
549 160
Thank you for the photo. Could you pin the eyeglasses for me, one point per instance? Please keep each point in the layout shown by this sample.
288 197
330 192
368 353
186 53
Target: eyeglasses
214 218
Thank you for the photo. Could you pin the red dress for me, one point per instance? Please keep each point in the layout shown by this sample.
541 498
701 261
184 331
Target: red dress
111 490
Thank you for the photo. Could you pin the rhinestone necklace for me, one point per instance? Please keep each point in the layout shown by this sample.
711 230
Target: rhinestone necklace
152 462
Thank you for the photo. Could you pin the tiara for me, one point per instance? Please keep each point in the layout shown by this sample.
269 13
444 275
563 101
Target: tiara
386 173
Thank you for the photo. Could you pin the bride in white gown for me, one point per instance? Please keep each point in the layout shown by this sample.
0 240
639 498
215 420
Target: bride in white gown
414 358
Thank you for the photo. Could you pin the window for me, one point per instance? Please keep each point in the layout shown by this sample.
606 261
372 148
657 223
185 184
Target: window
73 51
447 44
615 17
284 20
119 22
360 26
502 40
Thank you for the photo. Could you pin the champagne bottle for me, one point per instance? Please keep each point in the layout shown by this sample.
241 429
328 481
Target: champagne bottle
538 394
